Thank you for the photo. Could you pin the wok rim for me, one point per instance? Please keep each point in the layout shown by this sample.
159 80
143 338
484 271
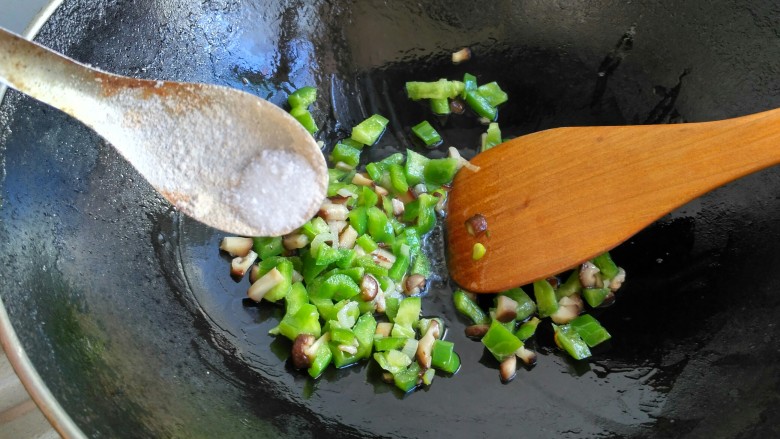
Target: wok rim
54 413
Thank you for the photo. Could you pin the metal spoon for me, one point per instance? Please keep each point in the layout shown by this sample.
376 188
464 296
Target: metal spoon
556 198
224 157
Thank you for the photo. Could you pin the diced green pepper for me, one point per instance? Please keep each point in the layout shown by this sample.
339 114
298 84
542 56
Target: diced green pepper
303 97
378 226
421 265
481 106
267 247
408 379
492 137
425 132
302 115
305 321
568 339
296 297
443 357
595 296
440 106
315 227
571 286
382 344
527 329
606 265
366 243
393 361
367 197
545 298
281 289
440 171
398 180
500 341
401 264
469 308
321 361
492 93
441 89
415 166
591 331
339 287
369 131
358 219
346 154
469 84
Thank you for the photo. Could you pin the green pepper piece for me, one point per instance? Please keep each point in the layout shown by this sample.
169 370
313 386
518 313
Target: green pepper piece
322 358
440 171
369 131
469 84
347 313
525 305
441 89
414 167
302 115
342 336
391 307
267 247
347 258
382 344
367 263
303 97
366 243
310 267
527 329
406 317
595 296
401 264
469 308
442 355
326 255
393 361
393 159
367 197
481 106
606 265
567 339
314 227
345 154
364 332
426 215
325 307
398 179
339 287
545 298
408 379
591 331
358 219
281 289
440 107
492 137
378 226
296 297
305 321
425 132
571 286
354 273
493 93
411 211
421 265
500 341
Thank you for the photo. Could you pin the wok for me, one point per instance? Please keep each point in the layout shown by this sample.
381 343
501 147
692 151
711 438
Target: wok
126 311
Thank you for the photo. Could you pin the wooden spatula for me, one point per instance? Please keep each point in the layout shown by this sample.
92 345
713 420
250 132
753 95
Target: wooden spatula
556 198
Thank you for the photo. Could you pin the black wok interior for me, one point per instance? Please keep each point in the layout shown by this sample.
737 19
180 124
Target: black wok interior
128 312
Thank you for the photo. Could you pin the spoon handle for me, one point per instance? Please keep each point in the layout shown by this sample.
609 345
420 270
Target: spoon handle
45 75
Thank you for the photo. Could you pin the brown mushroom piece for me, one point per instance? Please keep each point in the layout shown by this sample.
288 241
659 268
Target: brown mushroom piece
295 241
476 225
369 287
616 282
569 308
240 264
506 309
236 245
425 346
264 284
508 369
477 331
589 276
333 212
527 356
305 348
414 284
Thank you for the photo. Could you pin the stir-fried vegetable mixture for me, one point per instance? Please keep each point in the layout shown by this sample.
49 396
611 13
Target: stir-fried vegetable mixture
351 279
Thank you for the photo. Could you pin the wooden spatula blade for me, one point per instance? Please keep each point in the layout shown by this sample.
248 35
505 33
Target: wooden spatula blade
556 198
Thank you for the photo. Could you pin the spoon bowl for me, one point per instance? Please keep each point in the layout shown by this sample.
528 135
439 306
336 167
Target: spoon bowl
225 157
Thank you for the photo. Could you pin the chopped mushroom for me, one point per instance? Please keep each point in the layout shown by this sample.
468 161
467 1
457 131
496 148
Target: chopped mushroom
382 192
348 237
506 309
336 227
236 245
361 180
263 285
527 356
349 349
295 241
457 106
398 207
383 258
476 225
305 349
420 189
461 55
425 346
379 302
616 282
569 308
589 277
477 331
384 329
333 212
462 163
508 368
343 166
369 287
414 284
240 264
